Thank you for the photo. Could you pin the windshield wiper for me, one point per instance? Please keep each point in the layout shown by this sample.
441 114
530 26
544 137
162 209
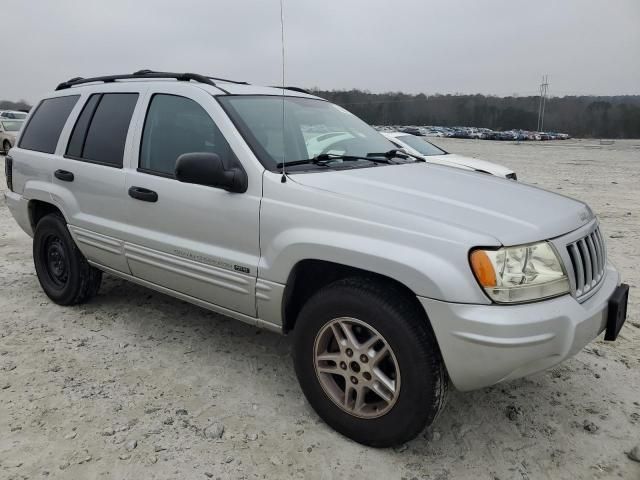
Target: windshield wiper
307 161
397 154
323 158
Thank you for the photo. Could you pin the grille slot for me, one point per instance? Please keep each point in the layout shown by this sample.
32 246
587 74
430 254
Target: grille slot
588 259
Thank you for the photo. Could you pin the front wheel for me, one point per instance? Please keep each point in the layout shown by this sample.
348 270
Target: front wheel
368 362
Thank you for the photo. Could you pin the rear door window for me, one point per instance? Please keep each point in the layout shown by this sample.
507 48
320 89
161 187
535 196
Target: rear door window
100 133
43 130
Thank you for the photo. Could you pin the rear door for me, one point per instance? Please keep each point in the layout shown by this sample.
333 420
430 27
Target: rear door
196 240
88 178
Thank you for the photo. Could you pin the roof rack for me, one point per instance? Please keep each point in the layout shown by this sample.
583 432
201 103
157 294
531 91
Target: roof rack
226 80
293 89
140 74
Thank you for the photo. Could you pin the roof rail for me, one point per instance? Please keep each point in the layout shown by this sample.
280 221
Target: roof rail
140 74
293 89
148 72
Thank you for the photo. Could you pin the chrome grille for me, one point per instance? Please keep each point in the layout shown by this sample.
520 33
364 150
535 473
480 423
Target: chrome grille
588 258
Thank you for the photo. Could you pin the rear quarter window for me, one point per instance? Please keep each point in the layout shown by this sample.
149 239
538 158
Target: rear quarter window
43 129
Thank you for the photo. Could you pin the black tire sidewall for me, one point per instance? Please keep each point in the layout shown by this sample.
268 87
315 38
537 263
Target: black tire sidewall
55 225
417 404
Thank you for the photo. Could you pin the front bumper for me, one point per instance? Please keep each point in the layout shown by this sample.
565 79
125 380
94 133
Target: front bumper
485 344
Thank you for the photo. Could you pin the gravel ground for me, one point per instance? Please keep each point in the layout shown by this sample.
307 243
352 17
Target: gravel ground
136 384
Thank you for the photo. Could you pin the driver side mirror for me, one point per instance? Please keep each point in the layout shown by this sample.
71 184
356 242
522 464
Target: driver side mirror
204 168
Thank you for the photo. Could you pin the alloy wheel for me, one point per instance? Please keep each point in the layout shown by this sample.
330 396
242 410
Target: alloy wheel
356 367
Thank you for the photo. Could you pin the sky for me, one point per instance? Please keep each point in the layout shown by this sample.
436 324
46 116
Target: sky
497 47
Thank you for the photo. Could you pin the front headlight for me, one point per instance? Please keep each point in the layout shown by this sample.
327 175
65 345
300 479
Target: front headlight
520 274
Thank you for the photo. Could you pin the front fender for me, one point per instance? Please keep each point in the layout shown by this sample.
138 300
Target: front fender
425 273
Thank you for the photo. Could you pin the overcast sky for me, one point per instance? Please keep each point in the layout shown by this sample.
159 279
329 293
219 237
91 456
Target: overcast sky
497 47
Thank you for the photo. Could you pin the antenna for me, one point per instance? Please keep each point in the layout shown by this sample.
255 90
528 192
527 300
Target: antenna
283 179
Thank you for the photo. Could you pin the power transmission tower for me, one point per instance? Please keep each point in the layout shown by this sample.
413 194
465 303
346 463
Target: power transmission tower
544 86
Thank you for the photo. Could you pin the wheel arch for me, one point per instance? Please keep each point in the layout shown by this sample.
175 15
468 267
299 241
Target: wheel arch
310 275
38 209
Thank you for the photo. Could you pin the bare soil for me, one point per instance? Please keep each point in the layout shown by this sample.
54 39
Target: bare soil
138 385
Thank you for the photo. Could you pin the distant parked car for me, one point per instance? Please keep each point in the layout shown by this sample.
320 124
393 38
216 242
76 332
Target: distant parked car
433 154
460 133
12 115
8 132
435 133
508 135
412 131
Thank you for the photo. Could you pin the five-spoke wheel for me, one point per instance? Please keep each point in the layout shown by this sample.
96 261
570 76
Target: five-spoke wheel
356 367
368 362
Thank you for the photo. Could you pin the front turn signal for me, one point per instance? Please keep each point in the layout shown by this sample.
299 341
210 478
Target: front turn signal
483 268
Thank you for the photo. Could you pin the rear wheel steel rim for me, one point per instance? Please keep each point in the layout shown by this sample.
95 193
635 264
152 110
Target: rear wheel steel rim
356 367
56 261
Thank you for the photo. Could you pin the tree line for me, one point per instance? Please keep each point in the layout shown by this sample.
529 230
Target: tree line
579 116
22 105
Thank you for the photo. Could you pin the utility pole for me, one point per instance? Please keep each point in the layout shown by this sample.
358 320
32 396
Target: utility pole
544 86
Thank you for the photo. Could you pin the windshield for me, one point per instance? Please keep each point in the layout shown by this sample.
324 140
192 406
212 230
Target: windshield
311 127
11 125
420 145
15 115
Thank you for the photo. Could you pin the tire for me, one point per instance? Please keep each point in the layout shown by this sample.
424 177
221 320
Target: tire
6 146
368 307
64 273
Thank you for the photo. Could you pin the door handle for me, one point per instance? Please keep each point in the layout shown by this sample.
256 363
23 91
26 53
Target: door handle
143 194
63 175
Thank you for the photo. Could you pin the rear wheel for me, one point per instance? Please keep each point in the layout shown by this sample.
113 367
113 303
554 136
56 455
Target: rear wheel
6 146
368 362
64 273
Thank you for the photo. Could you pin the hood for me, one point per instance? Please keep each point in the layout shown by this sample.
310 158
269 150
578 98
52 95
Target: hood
473 163
512 212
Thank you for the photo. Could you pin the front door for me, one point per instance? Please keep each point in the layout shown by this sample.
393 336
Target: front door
197 240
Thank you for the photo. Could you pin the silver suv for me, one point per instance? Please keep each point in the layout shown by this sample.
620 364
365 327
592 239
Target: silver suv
393 275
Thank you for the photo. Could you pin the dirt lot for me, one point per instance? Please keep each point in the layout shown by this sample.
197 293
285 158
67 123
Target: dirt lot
138 385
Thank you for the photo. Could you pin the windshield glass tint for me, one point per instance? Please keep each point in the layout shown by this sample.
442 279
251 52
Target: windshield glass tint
420 145
11 126
15 115
311 127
